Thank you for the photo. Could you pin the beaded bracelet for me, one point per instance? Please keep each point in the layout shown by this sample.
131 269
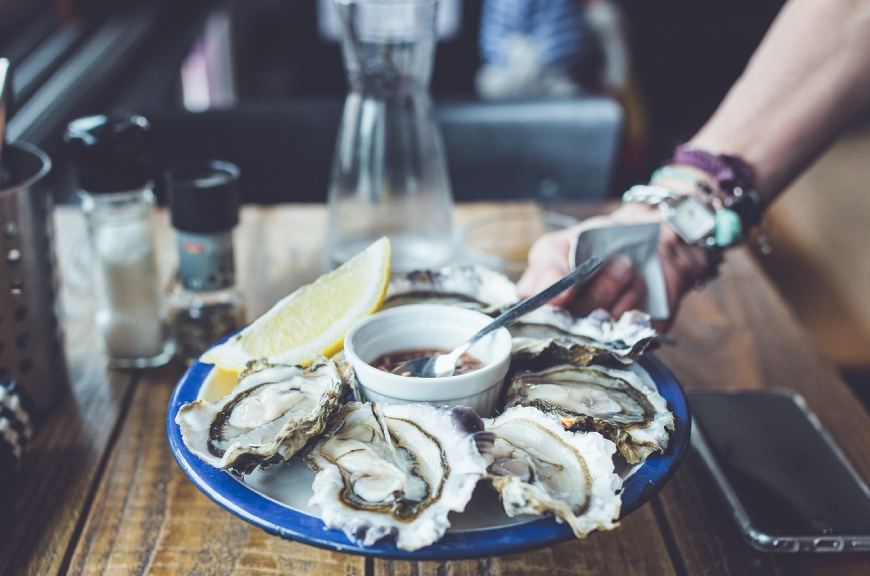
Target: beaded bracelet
734 178
678 173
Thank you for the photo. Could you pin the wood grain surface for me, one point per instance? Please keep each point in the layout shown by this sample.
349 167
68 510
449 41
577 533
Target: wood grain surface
635 547
101 494
148 518
738 333
59 475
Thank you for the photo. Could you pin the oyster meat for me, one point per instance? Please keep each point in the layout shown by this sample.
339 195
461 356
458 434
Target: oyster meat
555 333
537 467
616 403
466 286
396 469
270 414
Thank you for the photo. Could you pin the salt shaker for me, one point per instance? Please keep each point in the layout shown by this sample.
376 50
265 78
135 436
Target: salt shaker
110 155
205 304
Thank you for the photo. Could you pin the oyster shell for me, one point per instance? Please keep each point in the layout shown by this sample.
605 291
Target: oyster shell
397 469
537 467
616 403
270 414
555 333
467 286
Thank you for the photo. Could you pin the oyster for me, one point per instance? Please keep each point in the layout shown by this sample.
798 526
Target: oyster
616 403
537 467
397 469
467 286
270 414
555 333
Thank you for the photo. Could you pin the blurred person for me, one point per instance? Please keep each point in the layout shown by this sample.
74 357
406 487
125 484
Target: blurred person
806 81
558 48
531 48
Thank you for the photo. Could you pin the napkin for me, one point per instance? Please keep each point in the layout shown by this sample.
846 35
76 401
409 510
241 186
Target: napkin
637 242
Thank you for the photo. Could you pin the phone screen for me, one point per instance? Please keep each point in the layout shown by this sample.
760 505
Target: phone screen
783 471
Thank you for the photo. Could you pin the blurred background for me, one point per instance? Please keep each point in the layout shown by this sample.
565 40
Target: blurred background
261 83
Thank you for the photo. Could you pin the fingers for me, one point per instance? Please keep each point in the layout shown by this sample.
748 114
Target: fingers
617 288
607 288
534 281
633 297
548 262
682 265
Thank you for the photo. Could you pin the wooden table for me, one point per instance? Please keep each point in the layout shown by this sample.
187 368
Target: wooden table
100 492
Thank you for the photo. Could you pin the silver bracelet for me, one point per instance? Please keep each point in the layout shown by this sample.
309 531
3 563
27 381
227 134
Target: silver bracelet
649 194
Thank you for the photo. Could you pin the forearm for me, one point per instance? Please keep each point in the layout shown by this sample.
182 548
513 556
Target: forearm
809 77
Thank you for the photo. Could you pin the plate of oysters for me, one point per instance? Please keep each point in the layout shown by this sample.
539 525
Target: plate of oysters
581 427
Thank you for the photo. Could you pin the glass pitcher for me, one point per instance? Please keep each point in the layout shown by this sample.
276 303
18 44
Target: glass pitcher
389 175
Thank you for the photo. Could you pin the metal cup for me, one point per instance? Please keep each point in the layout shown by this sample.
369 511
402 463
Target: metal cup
31 345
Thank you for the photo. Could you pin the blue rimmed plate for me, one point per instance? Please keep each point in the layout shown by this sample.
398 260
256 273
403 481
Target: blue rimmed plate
276 499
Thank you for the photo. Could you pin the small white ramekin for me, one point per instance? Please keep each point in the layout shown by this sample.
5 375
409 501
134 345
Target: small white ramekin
429 326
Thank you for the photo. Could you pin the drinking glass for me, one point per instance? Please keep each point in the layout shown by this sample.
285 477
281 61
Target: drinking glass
502 241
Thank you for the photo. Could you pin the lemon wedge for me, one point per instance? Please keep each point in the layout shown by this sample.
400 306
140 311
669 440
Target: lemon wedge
314 319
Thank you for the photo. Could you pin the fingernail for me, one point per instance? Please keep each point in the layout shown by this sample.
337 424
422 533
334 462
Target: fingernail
620 269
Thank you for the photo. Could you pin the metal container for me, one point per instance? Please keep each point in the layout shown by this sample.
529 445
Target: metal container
31 345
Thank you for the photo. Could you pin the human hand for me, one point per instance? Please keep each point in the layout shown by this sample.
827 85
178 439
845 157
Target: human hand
617 287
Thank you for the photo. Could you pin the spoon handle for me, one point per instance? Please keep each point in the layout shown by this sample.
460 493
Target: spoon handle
577 276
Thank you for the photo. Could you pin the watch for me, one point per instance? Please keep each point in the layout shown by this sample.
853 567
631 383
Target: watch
692 219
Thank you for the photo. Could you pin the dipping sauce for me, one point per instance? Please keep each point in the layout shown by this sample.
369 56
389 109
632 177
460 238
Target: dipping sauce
390 362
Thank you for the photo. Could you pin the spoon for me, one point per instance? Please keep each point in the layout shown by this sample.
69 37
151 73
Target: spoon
441 365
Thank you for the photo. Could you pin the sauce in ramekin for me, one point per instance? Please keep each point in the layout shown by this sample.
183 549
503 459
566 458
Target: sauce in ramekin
391 361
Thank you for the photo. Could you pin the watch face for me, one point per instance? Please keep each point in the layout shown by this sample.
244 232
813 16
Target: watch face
691 219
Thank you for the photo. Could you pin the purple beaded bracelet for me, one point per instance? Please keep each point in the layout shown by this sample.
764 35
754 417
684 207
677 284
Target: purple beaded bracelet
734 177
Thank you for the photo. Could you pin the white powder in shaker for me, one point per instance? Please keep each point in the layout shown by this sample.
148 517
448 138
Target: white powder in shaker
130 322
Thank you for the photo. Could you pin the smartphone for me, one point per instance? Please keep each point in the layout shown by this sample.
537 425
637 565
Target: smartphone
790 487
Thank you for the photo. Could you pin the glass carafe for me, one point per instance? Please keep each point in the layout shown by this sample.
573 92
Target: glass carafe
389 173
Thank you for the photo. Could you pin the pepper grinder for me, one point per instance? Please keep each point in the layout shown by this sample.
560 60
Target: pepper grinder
110 154
205 304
